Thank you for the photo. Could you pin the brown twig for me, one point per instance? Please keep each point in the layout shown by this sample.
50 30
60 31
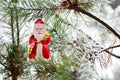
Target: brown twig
111 47
106 50
113 54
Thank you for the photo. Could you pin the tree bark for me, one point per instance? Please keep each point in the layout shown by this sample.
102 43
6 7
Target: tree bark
14 77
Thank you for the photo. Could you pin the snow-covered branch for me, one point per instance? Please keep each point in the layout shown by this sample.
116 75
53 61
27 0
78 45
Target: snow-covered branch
66 4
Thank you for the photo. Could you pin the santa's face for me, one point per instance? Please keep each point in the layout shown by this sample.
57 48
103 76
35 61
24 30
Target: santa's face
39 28
39 31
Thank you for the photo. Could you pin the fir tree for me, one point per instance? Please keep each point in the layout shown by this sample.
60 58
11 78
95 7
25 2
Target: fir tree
71 48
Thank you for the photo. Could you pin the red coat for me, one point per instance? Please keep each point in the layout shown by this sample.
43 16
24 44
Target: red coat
45 46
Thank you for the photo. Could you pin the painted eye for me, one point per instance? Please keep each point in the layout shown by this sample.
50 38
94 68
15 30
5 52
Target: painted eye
41 28
36 28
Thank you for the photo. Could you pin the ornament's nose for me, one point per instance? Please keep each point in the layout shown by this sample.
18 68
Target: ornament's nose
39 33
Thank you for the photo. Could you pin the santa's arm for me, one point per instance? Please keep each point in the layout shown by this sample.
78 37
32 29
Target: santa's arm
45 47
32 40
46 40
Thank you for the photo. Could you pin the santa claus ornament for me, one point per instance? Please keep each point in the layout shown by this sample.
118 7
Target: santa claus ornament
39 42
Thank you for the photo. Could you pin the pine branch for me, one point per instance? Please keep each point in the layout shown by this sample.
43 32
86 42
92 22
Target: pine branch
12 29
79 9
99 20
18 32
104 50
65 4
40 9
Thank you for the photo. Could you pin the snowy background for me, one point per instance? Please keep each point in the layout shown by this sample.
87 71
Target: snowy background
107 14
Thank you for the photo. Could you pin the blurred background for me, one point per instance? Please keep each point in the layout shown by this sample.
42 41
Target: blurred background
81 48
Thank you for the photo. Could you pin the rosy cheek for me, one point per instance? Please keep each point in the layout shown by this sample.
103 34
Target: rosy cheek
36 31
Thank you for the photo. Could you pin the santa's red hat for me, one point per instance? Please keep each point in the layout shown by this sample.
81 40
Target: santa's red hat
39 21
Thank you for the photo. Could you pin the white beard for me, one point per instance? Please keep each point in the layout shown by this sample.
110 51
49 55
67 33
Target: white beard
39 36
